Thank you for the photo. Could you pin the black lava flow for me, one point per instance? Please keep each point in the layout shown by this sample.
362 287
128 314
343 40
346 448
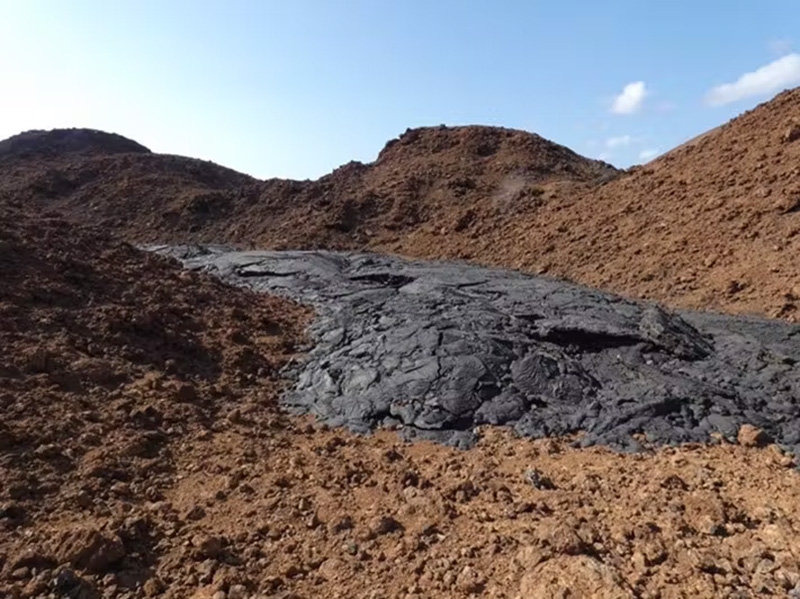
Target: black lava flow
438 348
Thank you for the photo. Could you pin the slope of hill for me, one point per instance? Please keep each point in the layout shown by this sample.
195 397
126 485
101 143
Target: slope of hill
57 143
96 178
433 177
714 223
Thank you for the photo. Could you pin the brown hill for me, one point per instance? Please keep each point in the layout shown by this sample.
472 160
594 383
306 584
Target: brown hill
96 178
56 143
442 177
712 224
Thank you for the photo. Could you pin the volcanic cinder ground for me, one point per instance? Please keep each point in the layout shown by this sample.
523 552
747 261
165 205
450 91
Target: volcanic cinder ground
332 421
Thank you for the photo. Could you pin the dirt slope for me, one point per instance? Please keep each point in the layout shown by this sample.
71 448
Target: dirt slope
714 223
142 455
97 178
446 177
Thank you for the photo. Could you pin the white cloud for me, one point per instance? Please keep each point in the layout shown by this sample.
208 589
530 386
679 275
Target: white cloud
622 140
630 100
646 155
604 156
784 72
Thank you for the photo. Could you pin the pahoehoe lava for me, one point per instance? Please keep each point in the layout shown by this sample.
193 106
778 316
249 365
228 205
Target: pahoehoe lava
437 348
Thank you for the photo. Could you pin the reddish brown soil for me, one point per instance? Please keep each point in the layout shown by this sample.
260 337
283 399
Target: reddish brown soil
453 178
713 224
142 455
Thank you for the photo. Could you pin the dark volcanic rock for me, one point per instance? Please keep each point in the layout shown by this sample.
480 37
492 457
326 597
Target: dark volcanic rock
441 347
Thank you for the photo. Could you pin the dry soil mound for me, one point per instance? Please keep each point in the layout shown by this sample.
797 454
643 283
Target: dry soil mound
43 144
714 224
112 359
447 178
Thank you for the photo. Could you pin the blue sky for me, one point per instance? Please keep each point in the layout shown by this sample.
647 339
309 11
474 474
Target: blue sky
295 88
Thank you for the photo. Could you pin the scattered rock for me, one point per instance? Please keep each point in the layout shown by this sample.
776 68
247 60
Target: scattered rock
792 133
195 513
751 436
383 525
186 393
575 576
153 587
90 549
32 558
209 547
538 480
469 581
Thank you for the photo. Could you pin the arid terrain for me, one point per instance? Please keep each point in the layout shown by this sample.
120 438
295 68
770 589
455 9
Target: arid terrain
143 452
711 224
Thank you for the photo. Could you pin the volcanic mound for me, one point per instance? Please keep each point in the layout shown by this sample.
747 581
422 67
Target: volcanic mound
56 143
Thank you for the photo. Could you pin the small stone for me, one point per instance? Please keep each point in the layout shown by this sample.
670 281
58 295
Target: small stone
19 490
153 587
65 580
47 451
12 511
120 488
210 547
84 500
449 579
186 393
313 521
293 570
89 549
539 480
639 561
342 524
220 595
469 581
792 133
718 530
752 436
237 591
21 573
384 525
331 569
196 513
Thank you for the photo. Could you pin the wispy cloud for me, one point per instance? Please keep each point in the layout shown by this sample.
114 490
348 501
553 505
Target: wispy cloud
622 140
779 47
666 106
780 73
649 153
630 99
